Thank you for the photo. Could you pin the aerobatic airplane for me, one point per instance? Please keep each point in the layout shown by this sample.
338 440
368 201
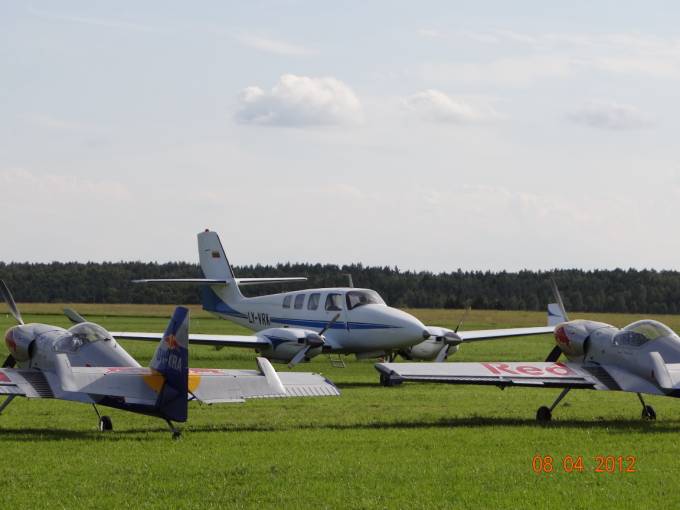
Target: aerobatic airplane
643 357
298 325
86 364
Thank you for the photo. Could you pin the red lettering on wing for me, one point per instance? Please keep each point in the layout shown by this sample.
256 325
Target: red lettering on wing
529 370
560 369
498 368
4 378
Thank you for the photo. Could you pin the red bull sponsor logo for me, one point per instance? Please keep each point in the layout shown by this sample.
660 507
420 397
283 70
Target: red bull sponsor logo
171 342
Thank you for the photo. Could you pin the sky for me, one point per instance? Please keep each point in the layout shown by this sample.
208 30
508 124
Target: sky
482 135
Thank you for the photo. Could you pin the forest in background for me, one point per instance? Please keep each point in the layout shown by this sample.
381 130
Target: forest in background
618 290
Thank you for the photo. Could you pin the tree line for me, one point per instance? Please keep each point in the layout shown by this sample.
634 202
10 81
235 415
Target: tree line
618 290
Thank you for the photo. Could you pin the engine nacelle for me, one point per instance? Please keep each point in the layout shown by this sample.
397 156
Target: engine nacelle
572 338
287 342
20 343
426 350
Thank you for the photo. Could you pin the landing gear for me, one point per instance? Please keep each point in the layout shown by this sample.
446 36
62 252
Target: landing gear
176 433
544 413
7 402
388 381
105 424
648 412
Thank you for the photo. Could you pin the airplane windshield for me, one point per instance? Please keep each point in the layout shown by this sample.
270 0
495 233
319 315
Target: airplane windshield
363 297
641 332
79 335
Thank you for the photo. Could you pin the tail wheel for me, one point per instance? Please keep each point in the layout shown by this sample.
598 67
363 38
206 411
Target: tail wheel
105 424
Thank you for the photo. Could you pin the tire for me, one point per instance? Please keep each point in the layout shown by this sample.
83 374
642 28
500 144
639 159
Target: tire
105 424
648 413
543 414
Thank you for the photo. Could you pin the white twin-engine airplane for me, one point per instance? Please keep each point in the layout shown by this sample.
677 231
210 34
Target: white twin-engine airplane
295 326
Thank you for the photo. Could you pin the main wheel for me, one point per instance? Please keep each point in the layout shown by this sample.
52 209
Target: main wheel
176 434
105 424
543 414
648 413
386 380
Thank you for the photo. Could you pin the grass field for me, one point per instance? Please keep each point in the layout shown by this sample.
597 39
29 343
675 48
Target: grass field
417 445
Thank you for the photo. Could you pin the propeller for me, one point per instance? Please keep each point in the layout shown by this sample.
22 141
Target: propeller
312 341
10 302
7 295
450 339
74 316
556 351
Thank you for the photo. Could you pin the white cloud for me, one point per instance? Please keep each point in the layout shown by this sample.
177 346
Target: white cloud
97 22
46 121
523 58
269 45
606 115
45 188
301 101
436 106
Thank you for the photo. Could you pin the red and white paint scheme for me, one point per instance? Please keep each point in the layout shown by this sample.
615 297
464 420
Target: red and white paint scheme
643 357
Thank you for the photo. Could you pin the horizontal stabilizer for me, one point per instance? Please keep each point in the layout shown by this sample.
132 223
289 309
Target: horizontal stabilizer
216 281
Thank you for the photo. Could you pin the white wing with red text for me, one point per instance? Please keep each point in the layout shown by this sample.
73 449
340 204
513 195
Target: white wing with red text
523 373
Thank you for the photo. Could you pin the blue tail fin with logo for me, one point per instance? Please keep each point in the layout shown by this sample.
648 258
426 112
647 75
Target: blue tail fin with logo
171 360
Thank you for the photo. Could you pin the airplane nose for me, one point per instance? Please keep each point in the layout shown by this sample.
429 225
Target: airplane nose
412 331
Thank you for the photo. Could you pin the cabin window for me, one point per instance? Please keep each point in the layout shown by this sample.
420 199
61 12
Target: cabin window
299 300
363 297
334 302
286 301
313 302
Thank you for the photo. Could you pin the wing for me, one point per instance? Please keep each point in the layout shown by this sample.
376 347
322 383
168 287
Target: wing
542 375
142 385
25 383
216 385
200 339
489 334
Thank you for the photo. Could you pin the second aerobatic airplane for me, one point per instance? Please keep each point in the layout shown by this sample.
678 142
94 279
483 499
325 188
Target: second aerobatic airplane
298 325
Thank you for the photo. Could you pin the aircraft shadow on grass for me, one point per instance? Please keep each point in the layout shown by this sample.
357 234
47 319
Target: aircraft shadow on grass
615 426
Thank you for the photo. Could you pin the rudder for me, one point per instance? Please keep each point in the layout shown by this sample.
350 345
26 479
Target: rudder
171 360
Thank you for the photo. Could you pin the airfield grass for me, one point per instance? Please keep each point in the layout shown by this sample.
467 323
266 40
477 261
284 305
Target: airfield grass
412 446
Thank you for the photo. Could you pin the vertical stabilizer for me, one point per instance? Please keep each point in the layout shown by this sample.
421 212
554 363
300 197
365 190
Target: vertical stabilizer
171 360
215 265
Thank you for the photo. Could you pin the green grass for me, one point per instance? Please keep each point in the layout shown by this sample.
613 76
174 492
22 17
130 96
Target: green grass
417 445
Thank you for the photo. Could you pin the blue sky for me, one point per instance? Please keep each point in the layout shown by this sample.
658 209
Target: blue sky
429 135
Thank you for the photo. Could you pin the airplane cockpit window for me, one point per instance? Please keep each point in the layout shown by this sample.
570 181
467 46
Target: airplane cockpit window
641 332
334 302
299 300
363 297
79 335
313 302
286 301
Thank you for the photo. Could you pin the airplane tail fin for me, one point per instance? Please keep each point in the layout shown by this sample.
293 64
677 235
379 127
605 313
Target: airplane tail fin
171 360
